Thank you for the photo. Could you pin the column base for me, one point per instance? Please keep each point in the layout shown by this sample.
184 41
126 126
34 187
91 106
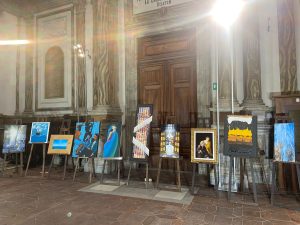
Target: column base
225 105
257 108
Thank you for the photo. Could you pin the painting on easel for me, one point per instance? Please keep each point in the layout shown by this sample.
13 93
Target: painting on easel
240 136
284 142
141 139
60 144
111 146
86 140
169 141
39 132
14 138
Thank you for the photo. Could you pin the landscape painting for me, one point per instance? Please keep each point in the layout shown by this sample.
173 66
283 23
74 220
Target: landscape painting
39 132
204 145
86 140
111 146
60 144
14 138
284 142
169 141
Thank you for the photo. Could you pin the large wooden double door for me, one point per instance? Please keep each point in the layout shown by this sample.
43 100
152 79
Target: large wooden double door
167 79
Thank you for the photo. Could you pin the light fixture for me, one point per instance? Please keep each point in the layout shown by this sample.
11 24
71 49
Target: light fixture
225 12
14 42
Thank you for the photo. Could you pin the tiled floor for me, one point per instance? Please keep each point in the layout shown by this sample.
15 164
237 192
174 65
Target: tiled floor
33 200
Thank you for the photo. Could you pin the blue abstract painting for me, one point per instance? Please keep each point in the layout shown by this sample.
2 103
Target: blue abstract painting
39 132
284 142
86 140
14 138
59 144
112 145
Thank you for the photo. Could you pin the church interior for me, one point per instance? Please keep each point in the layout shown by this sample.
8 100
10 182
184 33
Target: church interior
150 112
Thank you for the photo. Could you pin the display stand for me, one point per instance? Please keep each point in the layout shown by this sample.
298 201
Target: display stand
44 159
297 164
177 161
91 163
252 175
118 160
196 165
140 162
65 165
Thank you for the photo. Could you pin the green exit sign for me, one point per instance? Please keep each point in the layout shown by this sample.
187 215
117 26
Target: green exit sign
214 86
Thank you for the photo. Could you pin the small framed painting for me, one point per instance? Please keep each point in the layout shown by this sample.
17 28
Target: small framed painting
204 145
39 132
14 138
169 141
60 144
111 147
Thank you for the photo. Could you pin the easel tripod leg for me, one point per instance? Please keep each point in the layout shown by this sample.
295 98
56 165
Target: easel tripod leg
147 175
119 165
65 166
193 178
273 182
216 178
21 164
230 178
178 175
128 177
50 167
102 174
44 158
158 172
3 164
76 167
29 159
253 181
298 174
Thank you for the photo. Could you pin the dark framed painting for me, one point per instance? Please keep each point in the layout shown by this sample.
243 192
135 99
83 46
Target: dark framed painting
86 140
60 144
240 136
39 132
204 145
169 141
284 142
111 148
14 138
141 137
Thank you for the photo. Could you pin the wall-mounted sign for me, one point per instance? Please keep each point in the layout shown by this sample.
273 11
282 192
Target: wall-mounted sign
141 6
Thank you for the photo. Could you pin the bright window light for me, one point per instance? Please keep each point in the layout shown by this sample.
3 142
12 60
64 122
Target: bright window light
225 12
14 42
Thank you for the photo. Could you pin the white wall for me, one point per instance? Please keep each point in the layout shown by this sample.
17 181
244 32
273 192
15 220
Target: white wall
8 30
297 30
269 49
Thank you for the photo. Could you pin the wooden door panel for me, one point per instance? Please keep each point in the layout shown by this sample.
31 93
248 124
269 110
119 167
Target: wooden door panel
151 88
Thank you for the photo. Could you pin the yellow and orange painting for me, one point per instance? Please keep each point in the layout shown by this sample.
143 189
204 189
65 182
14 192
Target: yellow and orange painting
241 136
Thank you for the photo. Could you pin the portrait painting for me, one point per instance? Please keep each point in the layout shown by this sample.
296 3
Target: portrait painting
204 145
240 136
141 139
169 141
60 144
86 140
111 146
14 138
39 132
284 142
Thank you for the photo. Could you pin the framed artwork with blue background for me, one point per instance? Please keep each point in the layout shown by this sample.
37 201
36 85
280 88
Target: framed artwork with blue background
284 142
169 141
111 146
14 138
86 140
39 132
60 144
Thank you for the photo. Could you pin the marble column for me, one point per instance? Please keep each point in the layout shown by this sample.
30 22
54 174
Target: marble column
18 65
105 57
287 46
80 39
225 47
251 61
29 67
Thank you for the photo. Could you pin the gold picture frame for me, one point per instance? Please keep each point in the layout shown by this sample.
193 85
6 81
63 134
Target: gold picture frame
204 145
60 145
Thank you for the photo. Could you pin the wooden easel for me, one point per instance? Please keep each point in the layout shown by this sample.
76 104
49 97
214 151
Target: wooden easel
118 159
140 162
91 163
274 163
17 122
64 129
177 160
196 165
252 175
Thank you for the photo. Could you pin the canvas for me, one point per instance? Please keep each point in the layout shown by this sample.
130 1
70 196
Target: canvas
60 144
111 146
204 145
169 141
141 139
284 142
14 138
86 140
240 136
39 132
